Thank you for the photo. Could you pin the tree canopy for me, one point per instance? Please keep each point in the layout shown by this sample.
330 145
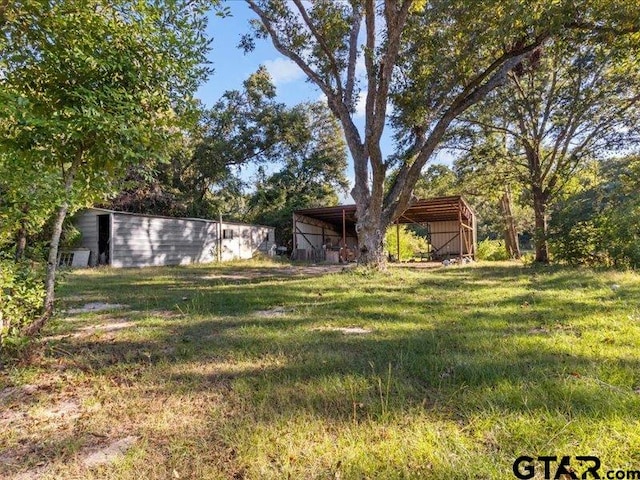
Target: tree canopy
312 171
563 107
88 88
425 64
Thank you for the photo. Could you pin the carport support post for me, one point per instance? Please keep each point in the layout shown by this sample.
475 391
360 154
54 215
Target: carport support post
460 233
344 236
398 241
219 237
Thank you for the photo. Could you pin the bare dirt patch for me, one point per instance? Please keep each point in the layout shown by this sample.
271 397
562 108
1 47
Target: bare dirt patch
108 453
106 324
96 307
33 474
15 393
346 330
272 313
67 409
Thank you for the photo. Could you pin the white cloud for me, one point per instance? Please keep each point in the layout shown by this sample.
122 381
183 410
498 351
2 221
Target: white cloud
361 105
361 68
283 71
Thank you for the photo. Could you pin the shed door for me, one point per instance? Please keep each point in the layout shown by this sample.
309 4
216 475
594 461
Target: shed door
104 238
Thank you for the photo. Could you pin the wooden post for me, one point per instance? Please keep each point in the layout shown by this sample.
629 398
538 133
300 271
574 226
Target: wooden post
398 241
460 233
219 237
294 244
344 235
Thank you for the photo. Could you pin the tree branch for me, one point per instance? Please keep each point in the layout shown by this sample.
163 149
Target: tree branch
493 76
323 45
353 56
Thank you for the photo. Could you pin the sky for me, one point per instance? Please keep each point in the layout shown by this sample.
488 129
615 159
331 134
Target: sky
232 66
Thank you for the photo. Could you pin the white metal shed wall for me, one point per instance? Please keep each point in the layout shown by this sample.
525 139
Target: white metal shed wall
139 241
87 223
246 241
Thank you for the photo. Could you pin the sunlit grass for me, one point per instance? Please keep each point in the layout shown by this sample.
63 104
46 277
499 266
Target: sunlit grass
242 371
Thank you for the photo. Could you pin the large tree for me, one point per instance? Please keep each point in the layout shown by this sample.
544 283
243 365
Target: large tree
431 59
560 109
88 88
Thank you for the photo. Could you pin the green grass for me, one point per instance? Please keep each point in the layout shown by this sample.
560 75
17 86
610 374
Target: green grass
238 371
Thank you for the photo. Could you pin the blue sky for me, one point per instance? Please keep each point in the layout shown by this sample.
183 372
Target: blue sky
232 66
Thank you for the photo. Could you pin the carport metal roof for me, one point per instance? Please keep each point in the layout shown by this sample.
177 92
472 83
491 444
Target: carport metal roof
421 211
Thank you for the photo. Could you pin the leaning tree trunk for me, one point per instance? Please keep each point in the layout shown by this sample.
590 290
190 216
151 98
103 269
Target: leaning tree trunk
540 234
52 260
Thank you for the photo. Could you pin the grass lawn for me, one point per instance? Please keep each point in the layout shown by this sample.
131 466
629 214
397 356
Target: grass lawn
265 371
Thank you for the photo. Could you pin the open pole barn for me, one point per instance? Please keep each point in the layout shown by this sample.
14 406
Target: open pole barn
329 233
122 239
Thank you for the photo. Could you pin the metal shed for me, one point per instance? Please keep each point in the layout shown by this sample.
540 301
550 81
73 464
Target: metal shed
329 233
122 239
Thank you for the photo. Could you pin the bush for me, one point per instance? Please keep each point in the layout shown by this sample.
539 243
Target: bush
600 226
492 250
21 297
71 237
410 243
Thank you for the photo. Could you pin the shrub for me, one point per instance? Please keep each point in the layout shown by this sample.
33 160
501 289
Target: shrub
410 243
492 250
21 298
71 237
600 226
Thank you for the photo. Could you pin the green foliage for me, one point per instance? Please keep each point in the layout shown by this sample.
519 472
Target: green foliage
313 158
600 225
492 250
569 101
71 236
411 244
21 296
437 181
87 89
299 153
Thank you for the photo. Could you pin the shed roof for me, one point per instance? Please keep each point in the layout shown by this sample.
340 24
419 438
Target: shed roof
191 219
420 211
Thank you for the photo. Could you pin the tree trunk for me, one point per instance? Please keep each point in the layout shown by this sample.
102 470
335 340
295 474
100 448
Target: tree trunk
510 233
52 265
540 234
21 240
370 244
52 261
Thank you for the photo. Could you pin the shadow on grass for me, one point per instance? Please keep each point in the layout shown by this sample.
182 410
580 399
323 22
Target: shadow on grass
430 346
